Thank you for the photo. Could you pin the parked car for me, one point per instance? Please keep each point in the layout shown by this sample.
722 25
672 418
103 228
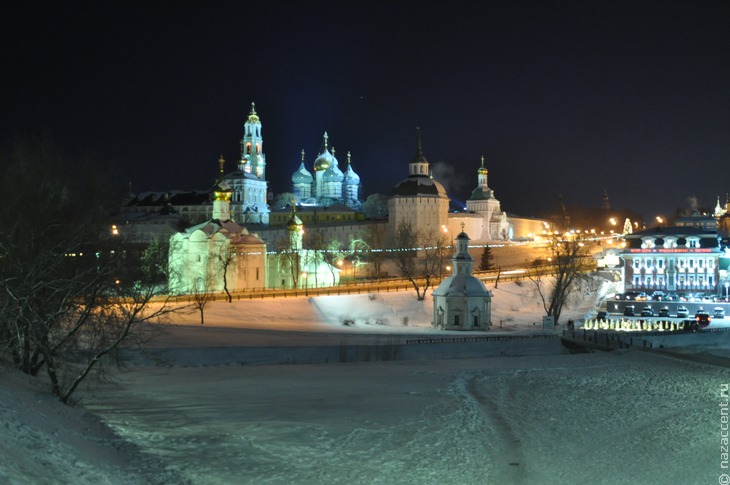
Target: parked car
664 312
629 311
602 316
671 297
658 296
635 296
702 318
718 312
682 312
647 312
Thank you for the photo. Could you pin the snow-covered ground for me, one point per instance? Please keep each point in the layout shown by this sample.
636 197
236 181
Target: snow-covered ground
368 407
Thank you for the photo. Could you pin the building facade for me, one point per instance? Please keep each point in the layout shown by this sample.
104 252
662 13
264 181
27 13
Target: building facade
461 301
216 255
673 259
495 225
419 200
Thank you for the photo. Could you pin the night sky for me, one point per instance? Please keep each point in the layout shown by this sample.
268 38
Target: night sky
560 97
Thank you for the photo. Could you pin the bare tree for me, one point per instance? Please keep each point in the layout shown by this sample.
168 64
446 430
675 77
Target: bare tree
419 257
225 256
202 295
373 242
290 260
72 295
327 251
571 263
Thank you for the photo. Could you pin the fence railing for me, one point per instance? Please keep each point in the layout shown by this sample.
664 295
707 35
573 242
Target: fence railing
491 338
624 339
368 286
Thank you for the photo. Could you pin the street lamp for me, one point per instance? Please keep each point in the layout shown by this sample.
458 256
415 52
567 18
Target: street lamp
660 220
306 288
727 286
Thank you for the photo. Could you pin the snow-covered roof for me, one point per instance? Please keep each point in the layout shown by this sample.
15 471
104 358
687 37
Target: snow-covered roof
461 285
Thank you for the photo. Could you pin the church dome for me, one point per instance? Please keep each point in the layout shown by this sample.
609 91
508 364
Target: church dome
481 193
323 161
419 182
413 186
294 223
222 191
461 285
333 173
302 175
351 178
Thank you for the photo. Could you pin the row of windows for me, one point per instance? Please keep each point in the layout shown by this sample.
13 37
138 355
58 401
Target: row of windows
681 263
689 281
669 242
307 219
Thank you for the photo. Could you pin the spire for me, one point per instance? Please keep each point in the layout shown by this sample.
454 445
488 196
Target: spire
419 145
482 170
718 208
325 140
296 230
302 156
221 163
348 159
419 164
605 204
482 192
462 262
253 117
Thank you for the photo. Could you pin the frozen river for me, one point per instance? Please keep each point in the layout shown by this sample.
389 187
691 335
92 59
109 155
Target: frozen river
600 418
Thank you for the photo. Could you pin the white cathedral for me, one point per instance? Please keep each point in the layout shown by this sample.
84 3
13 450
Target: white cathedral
248 183
329 185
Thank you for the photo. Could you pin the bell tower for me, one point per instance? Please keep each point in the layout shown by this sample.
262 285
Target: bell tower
253 160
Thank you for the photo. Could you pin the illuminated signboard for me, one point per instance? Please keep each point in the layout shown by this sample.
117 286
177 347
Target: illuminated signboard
673 250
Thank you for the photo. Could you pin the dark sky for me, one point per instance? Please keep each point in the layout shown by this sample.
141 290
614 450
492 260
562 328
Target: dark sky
560 97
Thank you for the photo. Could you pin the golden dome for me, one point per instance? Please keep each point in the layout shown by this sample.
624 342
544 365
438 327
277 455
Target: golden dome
482 170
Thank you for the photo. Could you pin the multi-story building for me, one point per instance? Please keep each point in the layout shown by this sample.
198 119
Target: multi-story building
683 259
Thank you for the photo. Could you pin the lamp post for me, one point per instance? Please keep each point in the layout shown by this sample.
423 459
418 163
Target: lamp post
727 287
306 288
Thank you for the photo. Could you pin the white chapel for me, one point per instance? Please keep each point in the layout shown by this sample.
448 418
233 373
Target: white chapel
461 301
